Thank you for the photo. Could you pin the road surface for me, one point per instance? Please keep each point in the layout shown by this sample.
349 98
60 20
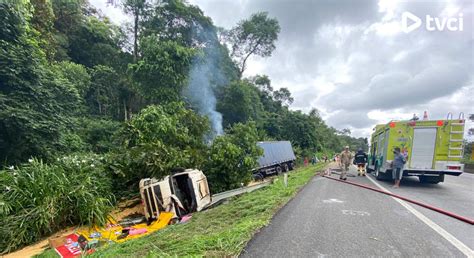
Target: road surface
329 218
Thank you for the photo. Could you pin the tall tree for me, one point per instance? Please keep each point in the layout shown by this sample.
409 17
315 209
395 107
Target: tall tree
95 41
283 95
180 22
43 21
68 17
103 95
255 36
162 71
137 9
239 103
263 83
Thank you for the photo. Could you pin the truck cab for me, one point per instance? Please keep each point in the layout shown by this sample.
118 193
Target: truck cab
181 193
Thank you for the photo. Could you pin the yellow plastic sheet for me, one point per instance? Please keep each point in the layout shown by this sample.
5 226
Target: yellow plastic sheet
111 233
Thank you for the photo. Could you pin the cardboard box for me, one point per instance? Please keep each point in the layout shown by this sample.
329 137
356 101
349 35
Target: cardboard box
61 240
57 241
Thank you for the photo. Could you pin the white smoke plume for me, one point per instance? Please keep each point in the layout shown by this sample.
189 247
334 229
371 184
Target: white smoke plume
205 75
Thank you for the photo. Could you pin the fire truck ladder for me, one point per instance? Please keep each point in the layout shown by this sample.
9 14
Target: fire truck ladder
455 149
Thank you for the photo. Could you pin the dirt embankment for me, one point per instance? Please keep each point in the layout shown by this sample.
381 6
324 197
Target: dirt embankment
124 210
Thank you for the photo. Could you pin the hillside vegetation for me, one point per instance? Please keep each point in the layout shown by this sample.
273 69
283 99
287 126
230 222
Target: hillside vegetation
87 107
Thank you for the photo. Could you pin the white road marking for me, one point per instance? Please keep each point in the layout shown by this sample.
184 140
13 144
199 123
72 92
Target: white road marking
445 234
355 213
333 201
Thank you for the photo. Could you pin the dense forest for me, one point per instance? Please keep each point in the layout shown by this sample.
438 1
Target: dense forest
87 107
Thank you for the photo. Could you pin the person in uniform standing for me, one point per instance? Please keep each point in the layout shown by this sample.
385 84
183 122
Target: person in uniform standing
346 160
360 159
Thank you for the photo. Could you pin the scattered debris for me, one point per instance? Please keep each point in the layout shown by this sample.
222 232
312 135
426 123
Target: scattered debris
186 218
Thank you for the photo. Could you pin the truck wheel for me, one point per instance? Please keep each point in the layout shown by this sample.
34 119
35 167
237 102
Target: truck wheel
285 167
258 176
291 166
368 169
430 179
379 175
278 170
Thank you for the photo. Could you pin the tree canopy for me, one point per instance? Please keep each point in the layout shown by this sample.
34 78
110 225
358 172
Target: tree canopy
255 36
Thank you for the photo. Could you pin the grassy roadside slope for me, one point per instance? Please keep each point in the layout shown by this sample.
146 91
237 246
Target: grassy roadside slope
221 231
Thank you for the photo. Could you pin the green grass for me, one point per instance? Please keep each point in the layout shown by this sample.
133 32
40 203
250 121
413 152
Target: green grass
221 231
38 199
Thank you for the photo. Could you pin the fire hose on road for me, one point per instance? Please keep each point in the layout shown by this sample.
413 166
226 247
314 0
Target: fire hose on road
453 215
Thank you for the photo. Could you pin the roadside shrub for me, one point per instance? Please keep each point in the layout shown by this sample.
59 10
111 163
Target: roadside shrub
157 140
98 133
37 199
232 157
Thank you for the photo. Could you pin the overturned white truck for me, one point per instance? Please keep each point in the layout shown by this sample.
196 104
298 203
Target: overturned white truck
278 157
181 193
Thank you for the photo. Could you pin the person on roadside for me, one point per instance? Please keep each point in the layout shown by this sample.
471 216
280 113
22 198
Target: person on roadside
346 160
398 163
360 159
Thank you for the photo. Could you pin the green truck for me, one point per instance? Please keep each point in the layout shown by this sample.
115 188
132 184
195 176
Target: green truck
433 148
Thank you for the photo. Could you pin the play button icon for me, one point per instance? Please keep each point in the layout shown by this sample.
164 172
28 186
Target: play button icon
410 22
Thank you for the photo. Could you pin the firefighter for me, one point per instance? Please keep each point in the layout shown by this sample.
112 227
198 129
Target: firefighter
360 159
346 160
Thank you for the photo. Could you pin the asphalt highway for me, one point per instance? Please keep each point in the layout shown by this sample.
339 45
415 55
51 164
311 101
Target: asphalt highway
332 219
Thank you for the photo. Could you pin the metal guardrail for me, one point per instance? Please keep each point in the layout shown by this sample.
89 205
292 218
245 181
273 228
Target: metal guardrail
220 197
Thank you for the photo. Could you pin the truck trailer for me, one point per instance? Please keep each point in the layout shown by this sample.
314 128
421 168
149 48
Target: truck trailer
433 148
278 157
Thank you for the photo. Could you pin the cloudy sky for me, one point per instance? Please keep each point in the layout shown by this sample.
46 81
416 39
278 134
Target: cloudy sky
352 61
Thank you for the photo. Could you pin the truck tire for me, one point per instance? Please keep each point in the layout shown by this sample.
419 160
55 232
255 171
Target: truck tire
369 170
376 167
258 176
278 170
291 166
285 167
431 179
379 175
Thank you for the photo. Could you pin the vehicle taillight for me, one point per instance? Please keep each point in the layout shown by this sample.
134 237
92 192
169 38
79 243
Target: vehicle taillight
454 167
